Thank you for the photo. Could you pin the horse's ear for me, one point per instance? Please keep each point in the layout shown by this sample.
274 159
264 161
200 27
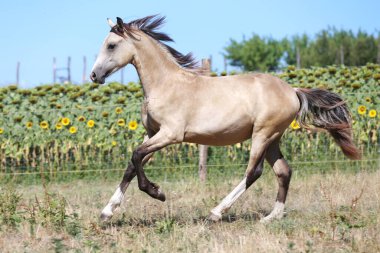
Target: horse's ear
120 22
110 22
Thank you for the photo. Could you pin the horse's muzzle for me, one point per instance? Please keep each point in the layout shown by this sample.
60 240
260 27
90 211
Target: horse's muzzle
95 79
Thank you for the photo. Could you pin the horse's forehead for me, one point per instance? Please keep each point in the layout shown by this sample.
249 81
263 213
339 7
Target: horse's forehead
112 37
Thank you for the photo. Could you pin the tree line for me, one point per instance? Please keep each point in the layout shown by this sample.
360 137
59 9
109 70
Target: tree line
328 47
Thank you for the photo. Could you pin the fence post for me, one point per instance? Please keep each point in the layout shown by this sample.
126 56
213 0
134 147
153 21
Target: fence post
18 74
84 75
203 149
54 70
69 69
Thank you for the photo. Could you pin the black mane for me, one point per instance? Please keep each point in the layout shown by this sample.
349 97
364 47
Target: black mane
149 25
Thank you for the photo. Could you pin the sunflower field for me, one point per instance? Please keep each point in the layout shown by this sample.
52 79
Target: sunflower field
70 127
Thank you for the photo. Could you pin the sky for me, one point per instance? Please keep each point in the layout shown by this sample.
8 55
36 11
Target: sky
33 32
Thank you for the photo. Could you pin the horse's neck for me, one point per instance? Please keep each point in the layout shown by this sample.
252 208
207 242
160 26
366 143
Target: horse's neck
154 66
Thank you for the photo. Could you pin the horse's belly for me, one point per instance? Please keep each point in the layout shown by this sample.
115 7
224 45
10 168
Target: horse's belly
219 138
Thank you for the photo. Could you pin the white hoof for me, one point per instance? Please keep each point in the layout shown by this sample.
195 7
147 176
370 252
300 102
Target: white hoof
276 214
215 217
106 213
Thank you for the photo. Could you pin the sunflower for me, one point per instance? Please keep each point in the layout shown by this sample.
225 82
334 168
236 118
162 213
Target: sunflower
294 125
368 99
81 118
362 109
29 124
58 126
1 130
132 125
90 123
105 114
372 113
114 143
121 122
73 130
65 121
118 110
44 125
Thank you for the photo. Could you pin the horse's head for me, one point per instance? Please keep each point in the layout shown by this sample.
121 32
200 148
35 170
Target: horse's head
117 51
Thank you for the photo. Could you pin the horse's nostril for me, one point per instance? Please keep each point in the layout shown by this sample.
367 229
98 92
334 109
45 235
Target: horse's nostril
93 76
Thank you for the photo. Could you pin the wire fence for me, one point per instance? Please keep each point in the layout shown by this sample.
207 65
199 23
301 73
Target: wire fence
40 169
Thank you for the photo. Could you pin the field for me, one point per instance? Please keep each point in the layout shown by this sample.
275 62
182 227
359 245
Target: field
68 127
326 212
63 149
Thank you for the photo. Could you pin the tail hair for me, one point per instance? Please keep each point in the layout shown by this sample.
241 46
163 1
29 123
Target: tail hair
327 110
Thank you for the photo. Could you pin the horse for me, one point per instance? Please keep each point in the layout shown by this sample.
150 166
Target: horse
182 104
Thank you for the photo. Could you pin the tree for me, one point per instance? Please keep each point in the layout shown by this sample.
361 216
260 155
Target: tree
329 46
255 54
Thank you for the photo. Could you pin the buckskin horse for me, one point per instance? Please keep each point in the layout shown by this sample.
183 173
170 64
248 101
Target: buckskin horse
183 105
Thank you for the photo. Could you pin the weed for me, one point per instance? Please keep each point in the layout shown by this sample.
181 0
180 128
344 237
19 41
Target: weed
58 245
9 213
165 226
343 218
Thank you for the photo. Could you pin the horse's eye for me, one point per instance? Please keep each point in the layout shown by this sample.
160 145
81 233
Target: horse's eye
111 46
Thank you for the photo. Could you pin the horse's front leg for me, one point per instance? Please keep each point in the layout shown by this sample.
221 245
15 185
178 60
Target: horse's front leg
158 141
118 195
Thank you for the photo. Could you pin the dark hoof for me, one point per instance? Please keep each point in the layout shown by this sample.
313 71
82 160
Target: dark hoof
157 193
160 195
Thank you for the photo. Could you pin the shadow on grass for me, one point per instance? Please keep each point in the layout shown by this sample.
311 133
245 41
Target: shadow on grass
124 220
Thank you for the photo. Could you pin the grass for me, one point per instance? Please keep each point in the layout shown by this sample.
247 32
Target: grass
336 211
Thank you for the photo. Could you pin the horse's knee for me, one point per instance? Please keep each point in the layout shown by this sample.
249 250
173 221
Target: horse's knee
137 156
253 175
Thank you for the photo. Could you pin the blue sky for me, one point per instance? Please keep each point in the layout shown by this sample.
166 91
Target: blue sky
33 32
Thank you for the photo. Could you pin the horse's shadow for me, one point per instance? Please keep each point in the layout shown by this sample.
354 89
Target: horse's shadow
125 221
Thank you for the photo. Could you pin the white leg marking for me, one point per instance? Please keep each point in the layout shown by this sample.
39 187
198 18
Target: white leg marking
114 202
216 213
277 212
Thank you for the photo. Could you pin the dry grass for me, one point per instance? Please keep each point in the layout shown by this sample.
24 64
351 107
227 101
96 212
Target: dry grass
334 212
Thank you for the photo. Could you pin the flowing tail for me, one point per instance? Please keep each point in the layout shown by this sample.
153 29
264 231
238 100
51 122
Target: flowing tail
327 110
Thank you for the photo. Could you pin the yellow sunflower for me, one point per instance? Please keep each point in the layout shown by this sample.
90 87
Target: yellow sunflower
81 118
368 99
29 124
121 122
44 125
73 130
58 126
118 110
372 113
1 130
90 123
65 121
132 125
114 143
294 125
362 109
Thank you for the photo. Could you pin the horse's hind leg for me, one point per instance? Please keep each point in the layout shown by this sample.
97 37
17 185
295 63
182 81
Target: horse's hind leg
254 171
283 173
118 195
